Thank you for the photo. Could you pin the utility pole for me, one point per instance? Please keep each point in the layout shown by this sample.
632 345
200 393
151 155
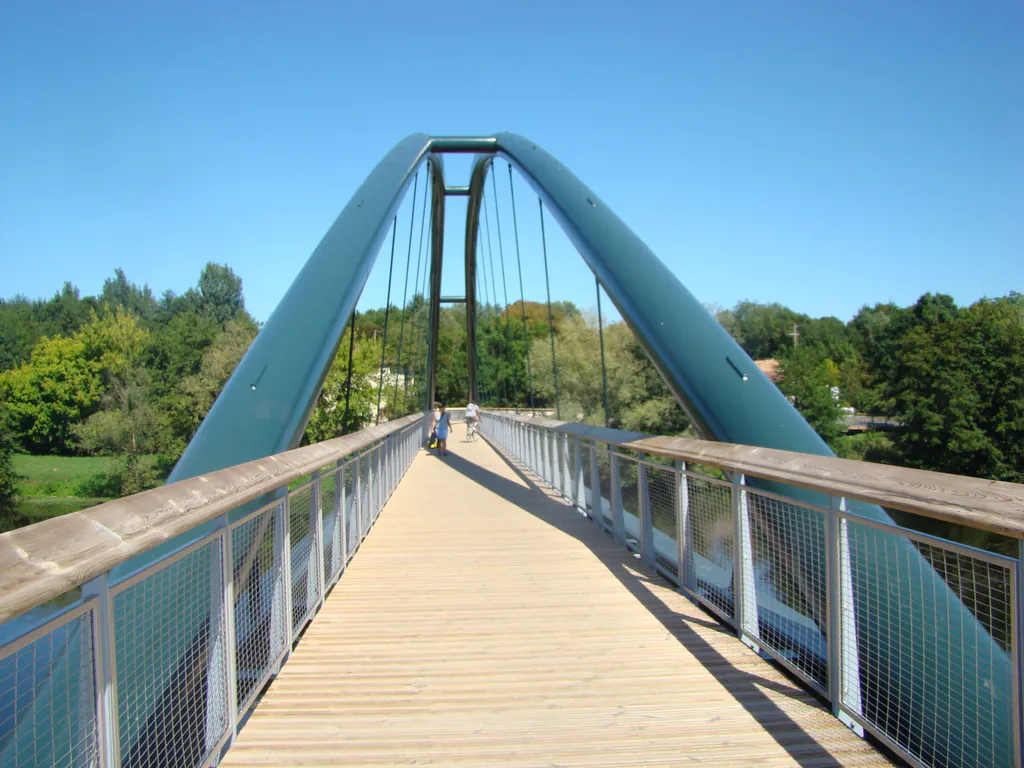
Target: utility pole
796 335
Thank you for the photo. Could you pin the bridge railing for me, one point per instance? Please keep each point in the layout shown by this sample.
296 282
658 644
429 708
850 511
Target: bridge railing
816 587
159 669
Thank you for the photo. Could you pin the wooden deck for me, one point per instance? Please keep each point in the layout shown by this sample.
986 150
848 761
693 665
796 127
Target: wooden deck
485 623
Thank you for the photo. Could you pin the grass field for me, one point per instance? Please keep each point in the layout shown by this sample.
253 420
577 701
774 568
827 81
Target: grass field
50 486
67 476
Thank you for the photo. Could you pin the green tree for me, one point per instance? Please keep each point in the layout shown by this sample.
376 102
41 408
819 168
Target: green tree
763 330
218 363
957 385
119 292
126 424
329 416
808 380
220 292
578 355
57 388
9 517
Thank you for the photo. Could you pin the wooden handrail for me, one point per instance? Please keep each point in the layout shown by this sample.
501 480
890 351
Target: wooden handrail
991 505
43 561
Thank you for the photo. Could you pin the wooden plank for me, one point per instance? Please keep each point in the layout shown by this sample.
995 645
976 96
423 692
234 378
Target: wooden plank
485 623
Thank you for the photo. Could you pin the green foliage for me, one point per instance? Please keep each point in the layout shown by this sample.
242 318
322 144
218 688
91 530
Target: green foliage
638 399
48 395
957 384
808 379
121 294
329 415
219 361
762 329
220 292
8 475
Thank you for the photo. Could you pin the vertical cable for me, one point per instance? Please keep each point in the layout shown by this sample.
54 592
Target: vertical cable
348 382
494 291
481 379
487 300
604 370
426 314
522 295
415 286
504 287
551 317
405 289
387 311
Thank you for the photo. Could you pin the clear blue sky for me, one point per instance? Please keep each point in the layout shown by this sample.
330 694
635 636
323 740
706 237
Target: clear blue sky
822 155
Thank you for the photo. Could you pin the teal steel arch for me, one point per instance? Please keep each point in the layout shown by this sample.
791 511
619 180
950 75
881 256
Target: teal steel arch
266 403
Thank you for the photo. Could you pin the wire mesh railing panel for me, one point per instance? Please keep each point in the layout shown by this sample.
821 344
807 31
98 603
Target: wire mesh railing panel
629 494
788 550
604 485
898 651
170 662
329 513
565 446
305 577
711 541
366 493
587 502
261 631
351 506
661 490
48 697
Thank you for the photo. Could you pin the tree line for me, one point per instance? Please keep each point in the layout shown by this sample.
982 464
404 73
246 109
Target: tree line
123 373
127 374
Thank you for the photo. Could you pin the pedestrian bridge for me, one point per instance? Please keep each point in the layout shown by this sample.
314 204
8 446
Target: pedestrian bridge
487 622
554 594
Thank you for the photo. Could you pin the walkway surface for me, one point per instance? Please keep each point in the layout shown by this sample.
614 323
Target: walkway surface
486 623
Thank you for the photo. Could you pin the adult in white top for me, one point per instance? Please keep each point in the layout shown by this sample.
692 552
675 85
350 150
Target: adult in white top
472 412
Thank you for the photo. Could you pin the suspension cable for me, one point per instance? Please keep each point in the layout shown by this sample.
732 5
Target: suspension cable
387 311
480 378
604 370
415 286
487 300
522 295
426 315
405 289
551 317
504 287
494 292
348 381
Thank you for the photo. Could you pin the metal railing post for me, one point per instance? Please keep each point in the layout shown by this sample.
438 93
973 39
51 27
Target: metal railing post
339 543
646 521
843 647
357 498
618 521
105 670
549 444
596 504
220 653
283 557
684 549
558 463
316 528
578 498
1018 657
744 586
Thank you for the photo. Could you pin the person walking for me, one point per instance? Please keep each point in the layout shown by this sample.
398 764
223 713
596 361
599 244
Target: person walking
473 420
441 427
